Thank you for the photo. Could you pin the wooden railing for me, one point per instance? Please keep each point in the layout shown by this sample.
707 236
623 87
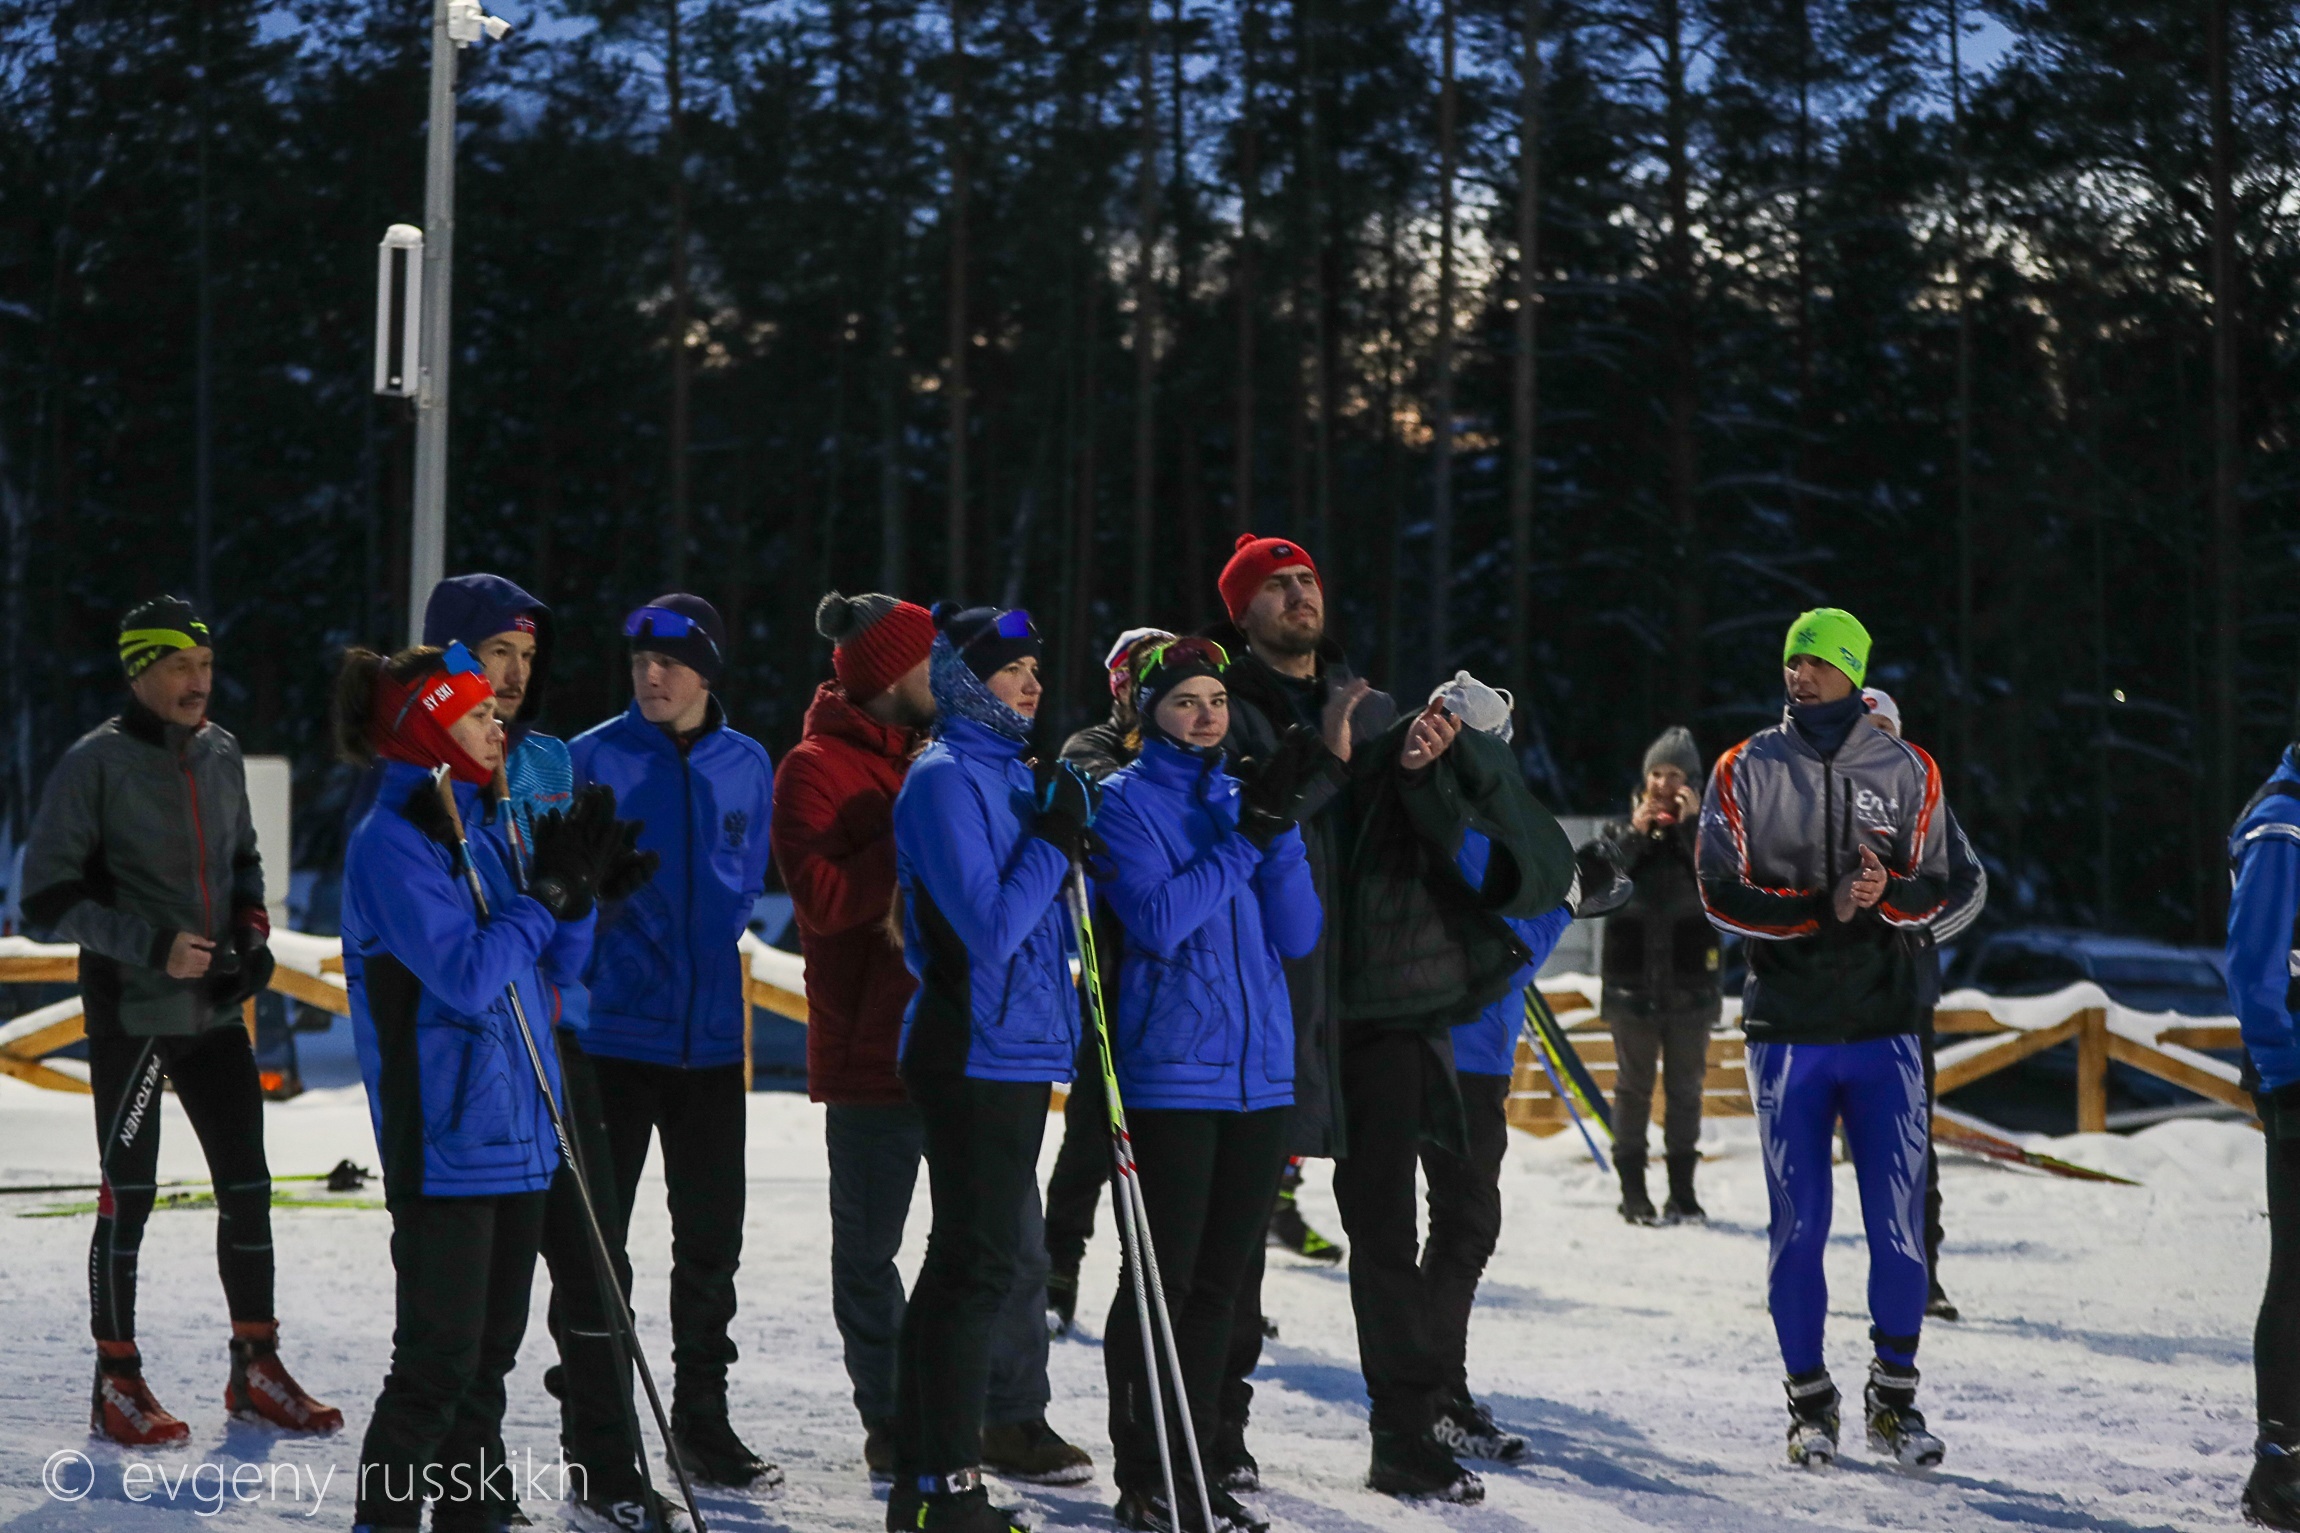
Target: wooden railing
1979 1035
308 969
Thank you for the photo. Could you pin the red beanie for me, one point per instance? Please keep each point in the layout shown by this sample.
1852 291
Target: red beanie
1256 560
877 640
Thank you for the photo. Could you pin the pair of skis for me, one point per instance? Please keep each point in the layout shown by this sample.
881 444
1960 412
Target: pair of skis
1569 1079
1134 1220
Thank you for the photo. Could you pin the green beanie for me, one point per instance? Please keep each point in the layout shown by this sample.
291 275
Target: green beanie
1831 634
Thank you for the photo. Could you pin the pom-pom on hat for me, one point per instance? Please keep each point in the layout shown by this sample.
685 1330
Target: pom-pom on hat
1255 561
876 639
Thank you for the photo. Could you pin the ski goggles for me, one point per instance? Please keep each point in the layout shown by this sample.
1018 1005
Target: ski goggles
1013 623
1191 651
663 623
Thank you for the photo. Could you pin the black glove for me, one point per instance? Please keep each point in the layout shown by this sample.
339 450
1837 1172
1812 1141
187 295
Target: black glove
628 869
1261 827
572 852
1600 888
427 812
1276 783
241 967
1067 800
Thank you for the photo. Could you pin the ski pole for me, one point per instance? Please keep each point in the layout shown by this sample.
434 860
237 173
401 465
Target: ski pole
599 1249
1541 1053
1134 1220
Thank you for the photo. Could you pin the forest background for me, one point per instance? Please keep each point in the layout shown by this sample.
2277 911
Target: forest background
1583 341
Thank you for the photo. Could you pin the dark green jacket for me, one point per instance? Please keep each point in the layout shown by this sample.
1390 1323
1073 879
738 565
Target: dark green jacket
1421 949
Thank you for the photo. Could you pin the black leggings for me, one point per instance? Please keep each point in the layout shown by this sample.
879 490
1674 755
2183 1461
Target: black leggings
215 1078
2276 1338
1207 1182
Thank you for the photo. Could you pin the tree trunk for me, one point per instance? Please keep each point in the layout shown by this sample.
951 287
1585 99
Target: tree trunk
1441 467
204 366
1967 691
1242 286
681 375
1524 400
955 539
1145 309
1677 289
2227 464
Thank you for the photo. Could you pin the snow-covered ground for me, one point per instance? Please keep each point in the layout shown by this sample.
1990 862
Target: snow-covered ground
2100 1380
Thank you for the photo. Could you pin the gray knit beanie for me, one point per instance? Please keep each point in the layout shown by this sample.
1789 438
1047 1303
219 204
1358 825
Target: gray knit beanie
1674 747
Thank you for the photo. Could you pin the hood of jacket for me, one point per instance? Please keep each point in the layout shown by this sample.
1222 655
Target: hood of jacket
834 715
475 608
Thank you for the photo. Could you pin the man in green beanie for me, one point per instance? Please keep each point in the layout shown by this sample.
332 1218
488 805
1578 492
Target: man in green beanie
1824 845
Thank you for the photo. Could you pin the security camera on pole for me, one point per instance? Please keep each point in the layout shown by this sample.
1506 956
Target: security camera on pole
412 325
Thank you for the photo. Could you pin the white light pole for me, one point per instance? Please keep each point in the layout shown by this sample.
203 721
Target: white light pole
455 24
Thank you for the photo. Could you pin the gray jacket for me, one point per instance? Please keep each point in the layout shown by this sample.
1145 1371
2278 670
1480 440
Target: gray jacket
144 832
1780 827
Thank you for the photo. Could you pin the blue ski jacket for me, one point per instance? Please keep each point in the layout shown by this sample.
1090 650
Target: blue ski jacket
2263 935
1488 1044
449 1085
1204 1020
666 980
982 919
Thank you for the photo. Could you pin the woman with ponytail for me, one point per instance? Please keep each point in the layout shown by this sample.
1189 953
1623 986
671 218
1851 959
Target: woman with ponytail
1213 895
461 1125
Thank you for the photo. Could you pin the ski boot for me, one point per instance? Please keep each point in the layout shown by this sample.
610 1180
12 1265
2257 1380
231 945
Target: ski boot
635 1511
1146 1511
1939 1305
956 1504
1231 1464
1289 1229
2272 1494
1418 1466
261 1388
1636 1207
1035 1454
716 1456
1813 1420
121 1406
1896 1426
878 1450
1061 1301
1683 1207
1467 1430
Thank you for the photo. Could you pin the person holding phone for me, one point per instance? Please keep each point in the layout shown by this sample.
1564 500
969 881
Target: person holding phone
1660 970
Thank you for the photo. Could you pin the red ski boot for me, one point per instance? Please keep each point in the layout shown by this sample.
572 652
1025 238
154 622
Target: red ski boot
261 1388
123 1408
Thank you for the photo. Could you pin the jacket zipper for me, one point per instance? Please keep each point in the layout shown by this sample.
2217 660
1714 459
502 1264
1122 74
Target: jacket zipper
687 794
199 851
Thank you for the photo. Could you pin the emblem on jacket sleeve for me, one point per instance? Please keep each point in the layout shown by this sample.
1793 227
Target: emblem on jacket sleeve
736 824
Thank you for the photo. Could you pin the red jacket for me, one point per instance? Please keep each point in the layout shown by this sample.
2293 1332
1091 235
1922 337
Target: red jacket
833 838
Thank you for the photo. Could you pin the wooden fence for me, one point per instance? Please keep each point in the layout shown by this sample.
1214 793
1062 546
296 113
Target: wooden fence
1979 1035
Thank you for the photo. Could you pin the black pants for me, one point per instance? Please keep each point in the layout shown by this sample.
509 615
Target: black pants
982 1141
1679 1044
215 1078
1207 1182
597 1422
1465 1220
700 1117
2276 1337
1383 1080
1082 1166
464 1269
1236 1401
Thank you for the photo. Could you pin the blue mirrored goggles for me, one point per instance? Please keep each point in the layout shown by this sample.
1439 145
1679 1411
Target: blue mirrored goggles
1014 623
663 623
460 661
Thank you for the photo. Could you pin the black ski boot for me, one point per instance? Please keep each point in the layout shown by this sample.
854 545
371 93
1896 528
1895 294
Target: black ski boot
1939 1305
1034 1453
1231 1464
957 1504
878 1449
1683 1207
2272 1495
1468 1430
715 1455
1417 1465
1636 1207
1146 1511
1896 1426
631 1509
1813 1419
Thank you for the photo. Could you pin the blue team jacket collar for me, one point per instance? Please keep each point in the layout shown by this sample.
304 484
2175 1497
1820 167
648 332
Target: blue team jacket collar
971 739
658 738
1175 766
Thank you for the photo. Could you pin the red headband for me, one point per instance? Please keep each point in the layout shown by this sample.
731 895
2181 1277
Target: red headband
411 720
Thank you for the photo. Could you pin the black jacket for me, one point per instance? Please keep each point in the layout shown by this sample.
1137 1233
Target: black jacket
1660 956
1101 749
1262 708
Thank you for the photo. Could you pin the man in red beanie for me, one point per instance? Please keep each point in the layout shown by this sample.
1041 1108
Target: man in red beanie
832 833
